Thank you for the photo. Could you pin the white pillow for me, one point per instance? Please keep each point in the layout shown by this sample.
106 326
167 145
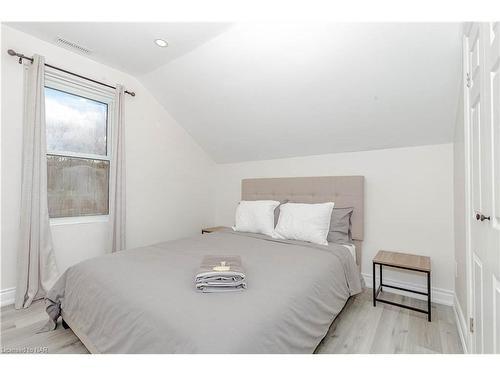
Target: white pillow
256 217
304 222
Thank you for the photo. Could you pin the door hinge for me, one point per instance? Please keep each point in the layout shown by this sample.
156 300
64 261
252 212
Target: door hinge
468 81
471 325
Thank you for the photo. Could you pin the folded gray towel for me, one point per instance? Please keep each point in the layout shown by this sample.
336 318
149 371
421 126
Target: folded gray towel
220 274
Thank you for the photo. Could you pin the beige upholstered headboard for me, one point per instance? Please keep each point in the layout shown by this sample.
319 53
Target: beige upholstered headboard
345 191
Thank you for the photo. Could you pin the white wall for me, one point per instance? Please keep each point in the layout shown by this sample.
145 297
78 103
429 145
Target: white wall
169 190
408 201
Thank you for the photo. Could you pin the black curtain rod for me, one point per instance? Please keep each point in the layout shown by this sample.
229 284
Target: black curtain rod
21 57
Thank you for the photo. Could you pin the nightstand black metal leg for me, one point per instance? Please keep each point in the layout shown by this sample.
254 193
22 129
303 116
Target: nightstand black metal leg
429 295
374 287
380 270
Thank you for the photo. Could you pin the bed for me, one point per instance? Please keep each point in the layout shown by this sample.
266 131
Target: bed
144 300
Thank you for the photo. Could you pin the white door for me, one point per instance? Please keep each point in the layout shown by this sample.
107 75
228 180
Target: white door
482 60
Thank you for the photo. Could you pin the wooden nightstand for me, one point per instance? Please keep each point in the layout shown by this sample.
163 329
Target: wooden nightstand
213 229
406 262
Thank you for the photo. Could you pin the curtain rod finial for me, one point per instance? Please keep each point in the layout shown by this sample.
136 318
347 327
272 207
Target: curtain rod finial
14 53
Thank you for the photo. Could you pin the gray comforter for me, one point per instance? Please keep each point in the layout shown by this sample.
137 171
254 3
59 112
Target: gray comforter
144 300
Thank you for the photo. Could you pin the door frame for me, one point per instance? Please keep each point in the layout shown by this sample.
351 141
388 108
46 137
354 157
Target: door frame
468 195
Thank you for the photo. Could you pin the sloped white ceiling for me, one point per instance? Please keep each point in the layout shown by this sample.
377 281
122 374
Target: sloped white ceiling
269 91
263 91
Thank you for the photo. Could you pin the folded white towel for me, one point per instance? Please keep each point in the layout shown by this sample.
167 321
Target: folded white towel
220 274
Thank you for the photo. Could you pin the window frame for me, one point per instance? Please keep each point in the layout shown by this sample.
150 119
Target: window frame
88 90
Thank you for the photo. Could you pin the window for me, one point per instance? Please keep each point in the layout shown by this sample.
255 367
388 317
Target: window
78 149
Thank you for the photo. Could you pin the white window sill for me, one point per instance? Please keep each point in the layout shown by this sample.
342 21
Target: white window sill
79 220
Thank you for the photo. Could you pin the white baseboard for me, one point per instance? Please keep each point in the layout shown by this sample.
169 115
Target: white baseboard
461 324
438 295
7 296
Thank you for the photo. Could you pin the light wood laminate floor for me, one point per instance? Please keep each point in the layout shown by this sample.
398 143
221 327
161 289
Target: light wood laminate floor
359 328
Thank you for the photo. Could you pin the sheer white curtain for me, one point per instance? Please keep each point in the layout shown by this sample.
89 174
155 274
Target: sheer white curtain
36 264
117 214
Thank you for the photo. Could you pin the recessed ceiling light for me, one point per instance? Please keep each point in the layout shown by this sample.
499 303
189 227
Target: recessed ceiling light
161 43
